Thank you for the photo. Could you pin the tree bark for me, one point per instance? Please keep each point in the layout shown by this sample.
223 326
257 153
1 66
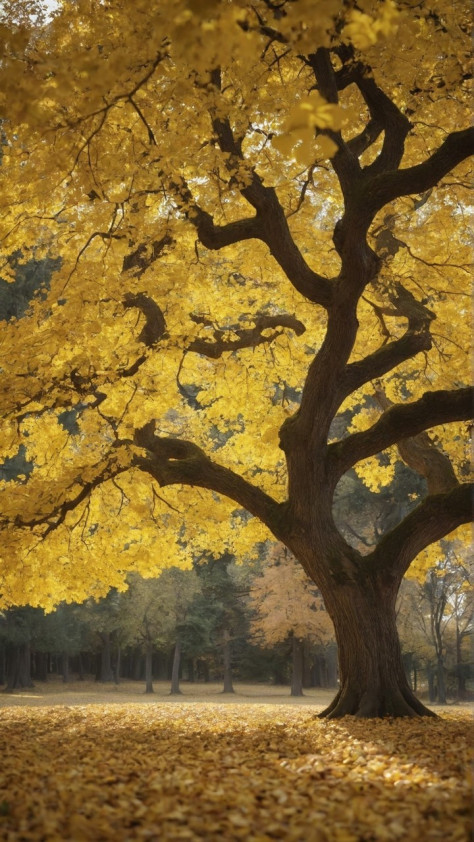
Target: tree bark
372 677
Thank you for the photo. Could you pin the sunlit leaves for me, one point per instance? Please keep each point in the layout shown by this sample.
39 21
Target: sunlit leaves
364 29
234 772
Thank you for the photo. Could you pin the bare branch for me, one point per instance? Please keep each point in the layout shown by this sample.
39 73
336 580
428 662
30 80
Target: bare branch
58 512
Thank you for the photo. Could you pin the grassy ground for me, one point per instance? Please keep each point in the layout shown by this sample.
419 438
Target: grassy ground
55 692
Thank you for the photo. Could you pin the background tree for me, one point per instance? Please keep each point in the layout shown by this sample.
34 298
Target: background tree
436 615
248 249
224 585
289 607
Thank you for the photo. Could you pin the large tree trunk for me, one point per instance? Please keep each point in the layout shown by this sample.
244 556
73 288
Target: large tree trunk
372 678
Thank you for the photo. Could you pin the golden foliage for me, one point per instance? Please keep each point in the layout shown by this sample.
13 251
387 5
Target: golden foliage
230 772
108 127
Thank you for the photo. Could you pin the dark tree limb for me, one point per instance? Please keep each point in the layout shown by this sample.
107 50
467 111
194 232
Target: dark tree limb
175 461
386 187
384 114
247 337
402 421
144 256
435 517
385 359
422 455
345 162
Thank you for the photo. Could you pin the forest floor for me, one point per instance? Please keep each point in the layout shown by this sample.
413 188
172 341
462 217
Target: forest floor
83 762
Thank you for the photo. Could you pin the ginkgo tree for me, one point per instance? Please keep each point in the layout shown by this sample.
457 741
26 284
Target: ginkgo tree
258 223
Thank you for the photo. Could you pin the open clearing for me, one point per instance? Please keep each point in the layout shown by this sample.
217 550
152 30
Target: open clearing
113 764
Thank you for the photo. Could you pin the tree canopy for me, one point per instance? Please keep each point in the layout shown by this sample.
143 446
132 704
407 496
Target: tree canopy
254 218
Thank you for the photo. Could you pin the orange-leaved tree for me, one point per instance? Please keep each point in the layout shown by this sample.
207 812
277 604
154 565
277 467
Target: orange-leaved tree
287 605
246 225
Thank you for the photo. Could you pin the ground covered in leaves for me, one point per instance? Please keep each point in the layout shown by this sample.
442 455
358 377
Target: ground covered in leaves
219 773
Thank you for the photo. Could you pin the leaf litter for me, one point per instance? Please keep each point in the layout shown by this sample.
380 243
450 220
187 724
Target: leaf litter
230 772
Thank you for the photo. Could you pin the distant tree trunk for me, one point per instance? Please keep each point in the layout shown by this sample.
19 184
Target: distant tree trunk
175 670
3 666
136 669
441 676
372 678
431 676
279 674
40 666
190 665
227 655
149 667
18 667
116 669
80 666
203 671
460 672
307 677
65 667
408 665
297 650
106 672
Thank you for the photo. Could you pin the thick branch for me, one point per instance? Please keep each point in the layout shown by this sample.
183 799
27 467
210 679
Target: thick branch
402 421
384 113
345 162
388 186
215 237
175 461
386 358
436 517
422 455
155 325
153 330
270 224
